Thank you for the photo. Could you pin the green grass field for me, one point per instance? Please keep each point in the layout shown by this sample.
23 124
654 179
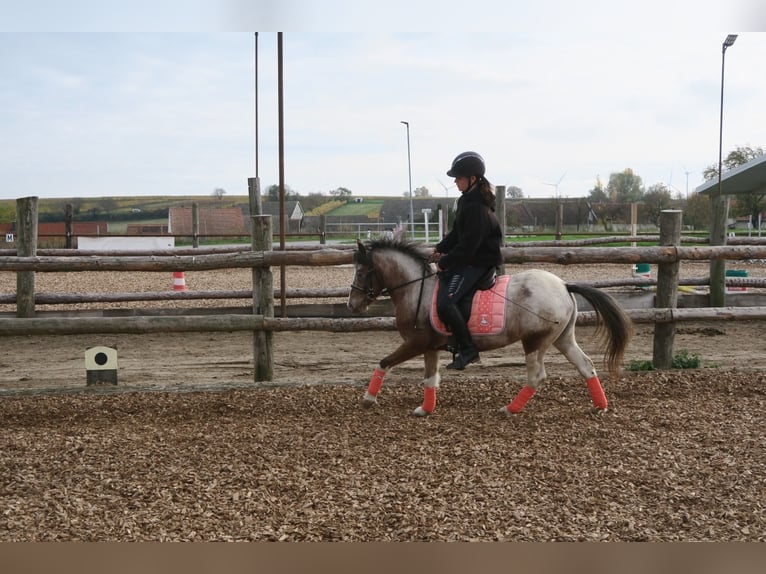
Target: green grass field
367 208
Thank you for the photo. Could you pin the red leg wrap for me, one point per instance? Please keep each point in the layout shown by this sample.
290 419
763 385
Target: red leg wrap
597 393
429 399
521 399
376 381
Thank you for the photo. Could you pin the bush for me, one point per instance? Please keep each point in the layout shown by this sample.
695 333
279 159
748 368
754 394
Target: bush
682 360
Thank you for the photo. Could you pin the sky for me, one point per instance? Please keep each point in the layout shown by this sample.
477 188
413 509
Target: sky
146 98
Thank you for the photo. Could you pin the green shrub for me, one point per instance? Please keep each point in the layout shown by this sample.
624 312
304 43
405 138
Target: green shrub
685 361
638 365
682 360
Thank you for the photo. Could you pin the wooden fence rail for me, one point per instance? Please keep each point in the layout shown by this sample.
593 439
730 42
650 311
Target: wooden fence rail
230 323
559 255
261 258
50 298
45 298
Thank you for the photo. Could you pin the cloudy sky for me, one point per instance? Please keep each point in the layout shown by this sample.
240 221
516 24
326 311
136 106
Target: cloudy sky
554 94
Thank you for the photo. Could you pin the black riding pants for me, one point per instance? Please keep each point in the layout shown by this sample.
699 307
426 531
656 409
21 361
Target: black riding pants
457 288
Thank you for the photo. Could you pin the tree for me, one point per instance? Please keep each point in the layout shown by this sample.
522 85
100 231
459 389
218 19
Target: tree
341 193
697 211
750 204
598 193
740 155
219 192
625 187
7 213
421 191
656 199
514 192
273 193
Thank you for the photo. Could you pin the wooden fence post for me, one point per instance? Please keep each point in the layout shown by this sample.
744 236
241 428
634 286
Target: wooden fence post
720 215
559 220
68 225
667 290
195 224
26 246
322 229
263 300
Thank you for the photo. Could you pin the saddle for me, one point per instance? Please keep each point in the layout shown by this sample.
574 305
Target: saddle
487 311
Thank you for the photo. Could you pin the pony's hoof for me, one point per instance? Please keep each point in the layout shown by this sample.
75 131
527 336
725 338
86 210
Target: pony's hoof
420 412
369 401
504 410
597 411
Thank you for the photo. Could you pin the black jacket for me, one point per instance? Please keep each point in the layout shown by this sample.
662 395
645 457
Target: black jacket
475 238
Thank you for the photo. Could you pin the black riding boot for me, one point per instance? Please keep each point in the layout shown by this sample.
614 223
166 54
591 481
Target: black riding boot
466 352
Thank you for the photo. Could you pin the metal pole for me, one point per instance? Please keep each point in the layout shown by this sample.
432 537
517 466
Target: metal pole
282 218
409 171
256 105
719 205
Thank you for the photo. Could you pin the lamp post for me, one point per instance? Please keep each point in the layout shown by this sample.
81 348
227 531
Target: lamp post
409 171
720 204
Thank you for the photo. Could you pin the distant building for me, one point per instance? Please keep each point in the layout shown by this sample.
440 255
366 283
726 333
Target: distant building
58 228
294 215
212 222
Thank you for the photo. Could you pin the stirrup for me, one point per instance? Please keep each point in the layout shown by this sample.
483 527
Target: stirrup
464 358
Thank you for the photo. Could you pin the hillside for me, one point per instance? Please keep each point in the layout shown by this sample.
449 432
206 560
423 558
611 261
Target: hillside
135 208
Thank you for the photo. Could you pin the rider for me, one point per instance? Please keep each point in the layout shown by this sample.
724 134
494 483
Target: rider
469 252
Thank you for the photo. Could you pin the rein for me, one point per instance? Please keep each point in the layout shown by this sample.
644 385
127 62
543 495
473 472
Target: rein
371 295
369 291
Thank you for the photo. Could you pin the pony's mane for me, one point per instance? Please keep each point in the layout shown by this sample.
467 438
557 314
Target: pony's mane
409 248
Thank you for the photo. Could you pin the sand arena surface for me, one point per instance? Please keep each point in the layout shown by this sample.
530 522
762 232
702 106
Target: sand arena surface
196 451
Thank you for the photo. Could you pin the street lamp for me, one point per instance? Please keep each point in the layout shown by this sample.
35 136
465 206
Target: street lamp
409 171
729 41
720 211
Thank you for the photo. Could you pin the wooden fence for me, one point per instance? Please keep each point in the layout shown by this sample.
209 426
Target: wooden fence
667 256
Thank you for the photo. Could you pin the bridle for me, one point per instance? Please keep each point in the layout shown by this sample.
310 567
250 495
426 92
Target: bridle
369 290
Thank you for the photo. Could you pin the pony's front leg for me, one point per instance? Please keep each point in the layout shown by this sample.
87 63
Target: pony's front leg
373 388
430 382
403 353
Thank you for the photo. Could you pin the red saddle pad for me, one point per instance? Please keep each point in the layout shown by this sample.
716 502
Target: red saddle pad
487 310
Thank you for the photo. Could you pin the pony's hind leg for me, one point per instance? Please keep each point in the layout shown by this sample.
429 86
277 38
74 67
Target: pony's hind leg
431 384
535 376
584 365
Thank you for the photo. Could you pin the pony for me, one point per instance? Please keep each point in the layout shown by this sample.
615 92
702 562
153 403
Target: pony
540 311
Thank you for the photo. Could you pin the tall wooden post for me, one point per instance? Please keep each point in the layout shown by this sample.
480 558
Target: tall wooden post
667 290
254 195
559 220
719 205
26 246
263 300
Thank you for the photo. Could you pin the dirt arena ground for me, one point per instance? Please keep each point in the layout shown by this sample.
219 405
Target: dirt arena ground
189 448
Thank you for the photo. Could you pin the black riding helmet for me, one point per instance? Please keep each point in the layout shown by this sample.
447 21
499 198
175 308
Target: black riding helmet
467 164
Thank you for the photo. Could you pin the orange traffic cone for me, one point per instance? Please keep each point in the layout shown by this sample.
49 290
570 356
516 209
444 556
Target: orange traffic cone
179 281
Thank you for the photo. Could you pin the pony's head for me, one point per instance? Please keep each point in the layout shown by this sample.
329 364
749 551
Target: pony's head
371 273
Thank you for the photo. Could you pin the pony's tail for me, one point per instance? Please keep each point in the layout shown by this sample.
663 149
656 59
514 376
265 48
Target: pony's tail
614 325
